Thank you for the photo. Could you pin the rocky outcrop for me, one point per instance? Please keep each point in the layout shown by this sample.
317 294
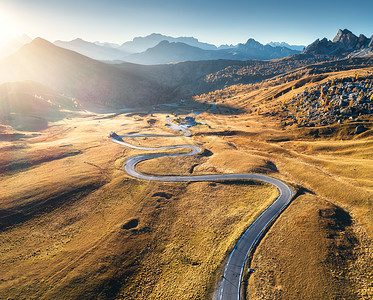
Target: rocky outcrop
362 42
322 47
332 102
343 44
346 39
370 45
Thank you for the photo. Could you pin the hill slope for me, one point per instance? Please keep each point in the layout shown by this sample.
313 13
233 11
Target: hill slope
92 50
75 75
9 46
30 106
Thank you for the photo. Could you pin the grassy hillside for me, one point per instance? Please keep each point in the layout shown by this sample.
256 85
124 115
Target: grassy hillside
29 106
75 75
332 221
75 225
94 83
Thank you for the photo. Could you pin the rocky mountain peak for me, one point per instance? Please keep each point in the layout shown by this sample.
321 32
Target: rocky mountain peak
363 41
341 33
322 47
40 42
344 43
251 43
163 43
346 38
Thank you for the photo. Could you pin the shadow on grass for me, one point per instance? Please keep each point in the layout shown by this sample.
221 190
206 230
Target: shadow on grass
23 213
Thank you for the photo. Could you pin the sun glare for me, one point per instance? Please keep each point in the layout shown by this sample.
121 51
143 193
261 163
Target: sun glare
8 29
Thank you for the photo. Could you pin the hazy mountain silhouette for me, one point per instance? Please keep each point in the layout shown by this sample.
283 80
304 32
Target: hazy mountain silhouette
252 49
286 45
127 85
159 49
141 44
95 83
107 45
166 52
92 50
75 75
11 45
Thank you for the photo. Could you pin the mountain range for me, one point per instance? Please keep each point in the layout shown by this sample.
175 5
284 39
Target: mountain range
75 75
97 84
286 45
159 49
166 52
93 50
94 83
11 45
141 44
345 43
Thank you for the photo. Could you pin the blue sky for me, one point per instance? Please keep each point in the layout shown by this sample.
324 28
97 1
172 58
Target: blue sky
217 22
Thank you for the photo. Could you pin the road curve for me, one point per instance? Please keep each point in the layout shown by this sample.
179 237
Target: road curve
229 287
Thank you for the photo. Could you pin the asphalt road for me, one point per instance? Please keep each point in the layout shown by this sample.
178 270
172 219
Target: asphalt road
230 285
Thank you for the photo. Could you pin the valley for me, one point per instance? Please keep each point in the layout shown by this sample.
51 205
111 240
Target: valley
75 224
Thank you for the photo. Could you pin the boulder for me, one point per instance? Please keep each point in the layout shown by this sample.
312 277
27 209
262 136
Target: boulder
343 103
360 129
346 111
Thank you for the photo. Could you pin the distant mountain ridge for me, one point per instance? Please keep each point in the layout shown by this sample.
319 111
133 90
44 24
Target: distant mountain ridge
92 50
286 45
11 45
171 52
345 43
252 49
141 44
166 52
148 50
75 75
97 85
107 44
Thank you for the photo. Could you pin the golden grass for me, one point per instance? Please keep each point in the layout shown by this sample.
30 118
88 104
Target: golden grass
192 238
304 257
335 170
77 246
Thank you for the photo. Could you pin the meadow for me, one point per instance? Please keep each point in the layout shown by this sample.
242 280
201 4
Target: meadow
74 224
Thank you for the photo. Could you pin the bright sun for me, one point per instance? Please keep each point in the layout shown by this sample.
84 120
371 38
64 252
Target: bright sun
7 29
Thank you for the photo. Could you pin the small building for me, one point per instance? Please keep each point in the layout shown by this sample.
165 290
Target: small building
189 121
113 135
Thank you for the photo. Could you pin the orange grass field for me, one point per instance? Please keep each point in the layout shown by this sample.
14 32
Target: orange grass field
75 225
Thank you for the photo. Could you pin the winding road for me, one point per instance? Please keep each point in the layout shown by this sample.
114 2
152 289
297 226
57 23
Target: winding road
230 285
